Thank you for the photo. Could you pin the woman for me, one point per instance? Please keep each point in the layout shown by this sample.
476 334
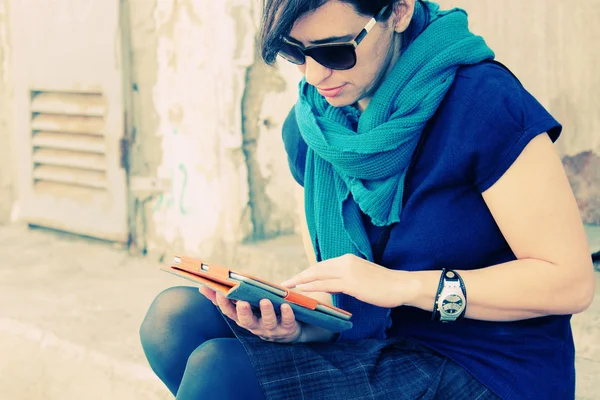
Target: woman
439 214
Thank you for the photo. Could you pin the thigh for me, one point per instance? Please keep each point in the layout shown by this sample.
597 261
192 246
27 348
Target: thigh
184 311
458 383
220 369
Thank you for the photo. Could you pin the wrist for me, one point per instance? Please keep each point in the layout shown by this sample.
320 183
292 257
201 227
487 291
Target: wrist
422 289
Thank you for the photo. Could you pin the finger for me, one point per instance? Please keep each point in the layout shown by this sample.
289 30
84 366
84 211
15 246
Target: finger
268 318
209 294
245 316
226 307
308 275
288 319
314 273
328 286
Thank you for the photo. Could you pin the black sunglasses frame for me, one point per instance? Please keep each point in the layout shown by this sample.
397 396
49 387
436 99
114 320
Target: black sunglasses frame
312 51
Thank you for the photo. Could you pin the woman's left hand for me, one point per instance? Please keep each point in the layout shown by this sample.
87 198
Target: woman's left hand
358 278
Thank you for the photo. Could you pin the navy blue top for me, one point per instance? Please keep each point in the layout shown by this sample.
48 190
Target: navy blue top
485 121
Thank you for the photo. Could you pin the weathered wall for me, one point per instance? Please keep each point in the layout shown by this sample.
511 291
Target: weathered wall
208 113
198 136
270 176
201 124
7 182
146 151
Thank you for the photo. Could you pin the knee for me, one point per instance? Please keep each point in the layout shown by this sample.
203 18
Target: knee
215 357
166 311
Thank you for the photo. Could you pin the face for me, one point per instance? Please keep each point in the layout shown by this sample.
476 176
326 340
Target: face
336 21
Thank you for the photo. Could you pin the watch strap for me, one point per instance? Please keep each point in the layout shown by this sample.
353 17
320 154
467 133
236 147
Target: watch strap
464 290
434 314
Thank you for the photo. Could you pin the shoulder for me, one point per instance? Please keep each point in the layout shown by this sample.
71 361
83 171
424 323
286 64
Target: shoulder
489 75
487 118
486 88
489 91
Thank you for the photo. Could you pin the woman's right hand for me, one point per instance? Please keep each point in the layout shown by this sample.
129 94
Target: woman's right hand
267 327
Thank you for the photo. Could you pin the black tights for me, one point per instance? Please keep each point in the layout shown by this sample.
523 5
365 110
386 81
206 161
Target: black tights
193 351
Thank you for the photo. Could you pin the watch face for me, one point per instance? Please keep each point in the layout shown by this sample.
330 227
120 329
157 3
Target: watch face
452 304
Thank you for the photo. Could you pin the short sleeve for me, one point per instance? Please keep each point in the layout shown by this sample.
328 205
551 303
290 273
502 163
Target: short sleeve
295 147
503 118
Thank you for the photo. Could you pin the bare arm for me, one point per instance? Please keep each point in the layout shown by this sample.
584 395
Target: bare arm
536 211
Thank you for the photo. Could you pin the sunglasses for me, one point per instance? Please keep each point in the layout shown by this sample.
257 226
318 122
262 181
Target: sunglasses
338 56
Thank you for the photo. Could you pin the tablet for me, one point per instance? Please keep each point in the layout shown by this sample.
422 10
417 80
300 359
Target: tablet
278 292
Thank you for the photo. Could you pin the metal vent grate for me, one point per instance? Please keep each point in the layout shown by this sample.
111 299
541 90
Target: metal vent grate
69 147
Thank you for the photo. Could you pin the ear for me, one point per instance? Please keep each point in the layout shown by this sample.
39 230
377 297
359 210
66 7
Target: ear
403 13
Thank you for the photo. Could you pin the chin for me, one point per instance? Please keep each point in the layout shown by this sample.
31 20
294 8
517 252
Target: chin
340 101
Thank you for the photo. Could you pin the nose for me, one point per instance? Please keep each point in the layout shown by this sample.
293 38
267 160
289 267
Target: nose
315 73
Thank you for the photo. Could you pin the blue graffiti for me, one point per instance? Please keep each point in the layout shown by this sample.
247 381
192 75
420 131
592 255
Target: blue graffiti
183 170
167 200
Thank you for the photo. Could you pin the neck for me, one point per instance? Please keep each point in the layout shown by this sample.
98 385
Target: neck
393 57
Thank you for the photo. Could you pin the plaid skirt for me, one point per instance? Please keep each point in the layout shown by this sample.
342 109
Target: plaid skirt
394 368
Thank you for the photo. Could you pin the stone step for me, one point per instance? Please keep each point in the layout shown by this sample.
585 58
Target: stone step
37 364
74 328
70 310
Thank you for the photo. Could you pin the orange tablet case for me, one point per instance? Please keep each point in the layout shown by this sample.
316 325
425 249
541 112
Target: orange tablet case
218 279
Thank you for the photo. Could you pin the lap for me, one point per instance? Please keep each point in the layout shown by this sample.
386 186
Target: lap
219 369
182 309
224 354
368 369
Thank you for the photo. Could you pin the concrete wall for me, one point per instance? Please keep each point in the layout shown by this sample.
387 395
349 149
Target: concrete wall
208 120
7 190
208 113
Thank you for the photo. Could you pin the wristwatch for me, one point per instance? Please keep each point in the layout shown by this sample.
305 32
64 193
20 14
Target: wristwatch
451 299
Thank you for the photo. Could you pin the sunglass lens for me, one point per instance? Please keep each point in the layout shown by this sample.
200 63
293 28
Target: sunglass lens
335 57
292 53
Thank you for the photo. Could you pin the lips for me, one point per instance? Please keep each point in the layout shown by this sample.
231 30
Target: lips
331 92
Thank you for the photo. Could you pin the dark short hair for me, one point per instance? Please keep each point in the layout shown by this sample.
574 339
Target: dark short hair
278 17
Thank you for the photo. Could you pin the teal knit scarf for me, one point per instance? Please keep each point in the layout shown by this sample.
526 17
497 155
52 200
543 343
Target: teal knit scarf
359 162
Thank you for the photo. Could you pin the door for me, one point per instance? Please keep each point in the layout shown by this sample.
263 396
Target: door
69 115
